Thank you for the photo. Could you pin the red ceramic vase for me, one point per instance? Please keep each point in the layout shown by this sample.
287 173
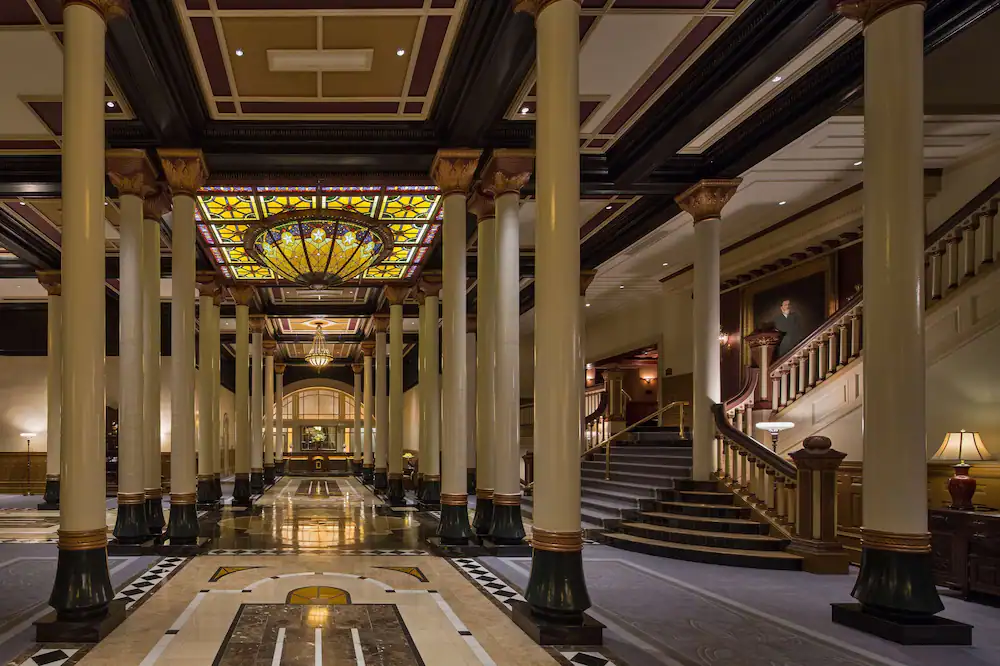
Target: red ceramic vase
962 487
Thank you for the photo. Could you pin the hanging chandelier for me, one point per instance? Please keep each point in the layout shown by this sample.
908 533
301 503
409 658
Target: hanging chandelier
318 248
319 356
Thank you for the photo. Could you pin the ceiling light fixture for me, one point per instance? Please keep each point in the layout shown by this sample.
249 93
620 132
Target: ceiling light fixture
665 263
319 356
239 52
111 105
859 163
524 110
607 207
22 203
782 203
588 305
400 52
777 79
621 286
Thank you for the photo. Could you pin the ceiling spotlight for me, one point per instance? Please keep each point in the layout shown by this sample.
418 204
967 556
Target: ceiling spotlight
665 263
22 203
524 110
782 203
608 207
588 305
105 203
859 163
621 286
400 52
777 79
111 105
239 52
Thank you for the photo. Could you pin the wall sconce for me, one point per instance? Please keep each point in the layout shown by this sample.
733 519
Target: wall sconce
724 339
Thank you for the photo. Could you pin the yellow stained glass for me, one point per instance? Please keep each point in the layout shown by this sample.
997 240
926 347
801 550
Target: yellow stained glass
407 234
237 255
252 272
358 204
318 595
230 234
401 254
229 207
408 207
272 205
385 272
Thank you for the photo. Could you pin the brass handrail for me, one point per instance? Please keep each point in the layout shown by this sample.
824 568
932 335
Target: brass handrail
607 442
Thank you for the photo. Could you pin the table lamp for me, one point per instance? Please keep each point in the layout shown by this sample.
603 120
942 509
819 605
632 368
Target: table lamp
962 446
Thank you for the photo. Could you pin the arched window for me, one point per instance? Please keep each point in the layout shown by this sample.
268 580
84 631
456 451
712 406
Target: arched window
318 418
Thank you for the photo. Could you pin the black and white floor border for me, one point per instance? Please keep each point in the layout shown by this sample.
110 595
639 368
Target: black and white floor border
145 583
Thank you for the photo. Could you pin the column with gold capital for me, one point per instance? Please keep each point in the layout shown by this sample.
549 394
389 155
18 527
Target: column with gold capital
208 288
482 206
421 392
704 201
132 174
257 325
895 584
470 403
505 174
216 349
368 442
557 589
186 173
396 294
243 295
430 383
270 348
356 448
154 207
280 440
82 588
51 280
452 171
381 406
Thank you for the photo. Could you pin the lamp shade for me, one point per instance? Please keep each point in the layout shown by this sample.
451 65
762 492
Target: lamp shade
962 446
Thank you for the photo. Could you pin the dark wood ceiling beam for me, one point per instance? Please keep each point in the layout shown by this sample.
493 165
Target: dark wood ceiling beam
321 309
26 245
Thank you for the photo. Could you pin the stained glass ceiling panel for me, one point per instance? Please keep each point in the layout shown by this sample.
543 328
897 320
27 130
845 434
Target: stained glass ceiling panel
412 213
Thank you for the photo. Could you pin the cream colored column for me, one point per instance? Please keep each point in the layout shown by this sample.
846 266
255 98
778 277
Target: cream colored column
241 414
154 208
186 173
82 583
396 294
896 573
218 466
208 289
256 404
704 202
381 405
482 206
51 280
279 427
270 348
430 380
356 447
131 172
556 536
452 170
422 390
368 471
507 172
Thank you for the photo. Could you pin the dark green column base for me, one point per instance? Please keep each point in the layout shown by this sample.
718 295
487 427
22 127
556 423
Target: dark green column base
257 482
130 526
217 488
356 467
241 491
483 519
368 475
396 496
470 480
893 584
183 527
454 527
206 491
507 528
557 589
381 480
51 492
82 588
155 521
430 492
269 475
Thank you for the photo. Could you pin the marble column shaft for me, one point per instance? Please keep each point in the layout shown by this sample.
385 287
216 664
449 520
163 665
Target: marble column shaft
368 469
486 400
241 411
279 422
53 385
154 207
206 393
256 404
430 382
356 447
396 295
381 405
269 351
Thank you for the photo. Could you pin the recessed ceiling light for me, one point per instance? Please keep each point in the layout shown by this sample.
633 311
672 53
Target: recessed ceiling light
22 203
859 163
239 52
524 110
588 305
400 52
782 203
105 203
621 286
777 79
608 207
111 105
665 263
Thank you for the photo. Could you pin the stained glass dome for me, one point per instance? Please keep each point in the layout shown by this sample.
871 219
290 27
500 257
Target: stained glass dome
318 248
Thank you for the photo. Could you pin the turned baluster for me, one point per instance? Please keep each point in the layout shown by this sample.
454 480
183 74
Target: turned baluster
986 247
739 418
748 420
779 499
855 333
790 501
969 242
762 479
935 279
951 254
752 471
822 359
831 350
783 387
772 502
812 367
775 393
801 385
720 448
844 341
744 478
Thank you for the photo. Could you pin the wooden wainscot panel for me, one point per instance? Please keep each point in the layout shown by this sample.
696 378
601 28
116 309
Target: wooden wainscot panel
14 472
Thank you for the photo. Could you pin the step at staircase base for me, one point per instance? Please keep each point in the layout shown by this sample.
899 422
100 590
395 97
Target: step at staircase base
725 556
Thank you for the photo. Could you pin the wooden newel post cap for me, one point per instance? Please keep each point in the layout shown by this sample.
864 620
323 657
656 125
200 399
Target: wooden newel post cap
817 453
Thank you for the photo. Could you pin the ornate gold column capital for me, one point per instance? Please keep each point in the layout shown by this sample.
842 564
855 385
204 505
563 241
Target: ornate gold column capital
420 296
52 281
453 168
867 11
156 204
257 322
507 171
242 294
381 322
279 368
430 283
482 205
108 9
397 293
534 7
130 171
586 277
705 199
208 283
357 368
270 347
368 348
185 169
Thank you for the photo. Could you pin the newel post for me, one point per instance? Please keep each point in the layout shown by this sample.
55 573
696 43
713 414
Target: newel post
762 344
815 536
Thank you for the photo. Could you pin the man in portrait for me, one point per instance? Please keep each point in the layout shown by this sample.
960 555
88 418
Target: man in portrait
790 324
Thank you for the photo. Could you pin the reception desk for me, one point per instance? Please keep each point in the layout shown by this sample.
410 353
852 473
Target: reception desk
318 463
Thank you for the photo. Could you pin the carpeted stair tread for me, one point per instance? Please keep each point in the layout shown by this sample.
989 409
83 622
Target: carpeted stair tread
763 538
701 505
776 555
649 479
700 519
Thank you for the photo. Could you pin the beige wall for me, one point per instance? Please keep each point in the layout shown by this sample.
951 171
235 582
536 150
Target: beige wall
411 420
